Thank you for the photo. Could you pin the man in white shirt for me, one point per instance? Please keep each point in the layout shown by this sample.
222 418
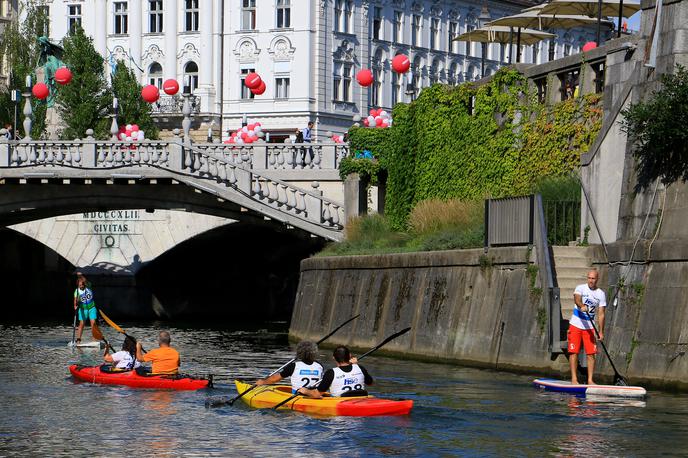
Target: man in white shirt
589 301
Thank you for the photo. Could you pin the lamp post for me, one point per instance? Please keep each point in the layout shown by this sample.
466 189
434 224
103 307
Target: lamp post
483 19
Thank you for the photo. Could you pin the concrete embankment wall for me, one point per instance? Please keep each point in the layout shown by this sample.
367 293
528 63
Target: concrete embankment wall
463 306
456 302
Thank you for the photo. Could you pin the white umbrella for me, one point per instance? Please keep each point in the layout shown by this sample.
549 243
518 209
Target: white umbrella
503 34
532 19
594 8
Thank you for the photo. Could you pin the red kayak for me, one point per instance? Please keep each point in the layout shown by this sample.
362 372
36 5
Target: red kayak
103 375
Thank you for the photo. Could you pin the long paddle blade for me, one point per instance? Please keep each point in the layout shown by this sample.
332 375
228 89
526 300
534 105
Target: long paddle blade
98 335
377 347
218 402
111 323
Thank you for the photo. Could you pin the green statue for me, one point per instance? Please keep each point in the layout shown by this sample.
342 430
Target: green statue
50 59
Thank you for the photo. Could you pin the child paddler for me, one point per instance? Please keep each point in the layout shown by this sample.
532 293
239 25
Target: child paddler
84 305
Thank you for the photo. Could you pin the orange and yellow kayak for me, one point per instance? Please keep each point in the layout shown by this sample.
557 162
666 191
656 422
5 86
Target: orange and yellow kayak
268 396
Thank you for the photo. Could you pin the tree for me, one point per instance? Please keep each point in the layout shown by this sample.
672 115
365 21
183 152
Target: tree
132 108
86 101
657 128
20 50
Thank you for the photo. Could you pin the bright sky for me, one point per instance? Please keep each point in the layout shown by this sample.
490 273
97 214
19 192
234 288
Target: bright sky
634 21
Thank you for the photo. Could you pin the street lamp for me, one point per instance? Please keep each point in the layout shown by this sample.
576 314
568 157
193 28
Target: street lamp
483 19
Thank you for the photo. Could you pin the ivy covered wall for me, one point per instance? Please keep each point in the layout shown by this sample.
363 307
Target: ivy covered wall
471 142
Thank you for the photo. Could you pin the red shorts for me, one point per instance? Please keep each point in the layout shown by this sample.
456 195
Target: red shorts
575 335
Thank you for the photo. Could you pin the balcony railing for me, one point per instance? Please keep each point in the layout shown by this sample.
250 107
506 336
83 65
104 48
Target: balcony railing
172 104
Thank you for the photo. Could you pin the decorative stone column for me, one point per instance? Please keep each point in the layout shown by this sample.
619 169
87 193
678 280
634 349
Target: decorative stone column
135 30
100 33
206 89
170 28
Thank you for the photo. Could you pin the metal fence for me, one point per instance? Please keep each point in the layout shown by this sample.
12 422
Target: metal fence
563 221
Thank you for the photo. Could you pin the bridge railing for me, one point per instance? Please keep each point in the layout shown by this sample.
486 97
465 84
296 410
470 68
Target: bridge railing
305 204
216 168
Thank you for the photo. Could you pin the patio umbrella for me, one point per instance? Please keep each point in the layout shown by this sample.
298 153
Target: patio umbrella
594 8
503 34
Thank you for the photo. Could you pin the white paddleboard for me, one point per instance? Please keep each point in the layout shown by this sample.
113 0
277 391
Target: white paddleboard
565 386
91 344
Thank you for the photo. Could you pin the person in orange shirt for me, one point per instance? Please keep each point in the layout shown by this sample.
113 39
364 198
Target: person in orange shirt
165 359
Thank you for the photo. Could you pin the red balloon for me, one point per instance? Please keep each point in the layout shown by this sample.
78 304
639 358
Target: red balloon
365 77
589 45
260 89
63 75
378 121
150 93
252 80
40 91
401 63
170 86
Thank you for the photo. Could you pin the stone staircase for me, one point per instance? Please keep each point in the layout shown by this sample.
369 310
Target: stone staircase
571 264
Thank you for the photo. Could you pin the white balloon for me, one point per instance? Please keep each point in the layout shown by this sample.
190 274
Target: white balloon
257 129
244 129
128 139
239 141
140 135
122 136
384 114
250 132
128 126
371 120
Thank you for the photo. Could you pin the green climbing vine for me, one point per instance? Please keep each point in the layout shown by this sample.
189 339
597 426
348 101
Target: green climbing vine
444 146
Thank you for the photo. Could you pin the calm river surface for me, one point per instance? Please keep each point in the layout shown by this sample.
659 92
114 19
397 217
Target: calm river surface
458 411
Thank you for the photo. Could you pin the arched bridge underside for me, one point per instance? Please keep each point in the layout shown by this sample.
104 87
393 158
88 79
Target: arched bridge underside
41 180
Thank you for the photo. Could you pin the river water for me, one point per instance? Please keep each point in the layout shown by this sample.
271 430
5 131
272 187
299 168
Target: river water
458 411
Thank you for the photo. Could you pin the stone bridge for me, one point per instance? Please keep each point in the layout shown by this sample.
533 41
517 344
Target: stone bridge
276 182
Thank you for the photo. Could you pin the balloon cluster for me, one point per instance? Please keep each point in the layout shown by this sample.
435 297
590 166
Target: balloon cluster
254 82
378 118
131 133
338 138
247 134
63 76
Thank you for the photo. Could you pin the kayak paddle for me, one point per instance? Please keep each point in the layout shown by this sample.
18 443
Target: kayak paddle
392 337
222 401
116 327
76 311
618 378
98 335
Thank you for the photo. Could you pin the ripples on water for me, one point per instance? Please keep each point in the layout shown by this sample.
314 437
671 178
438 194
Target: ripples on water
458 411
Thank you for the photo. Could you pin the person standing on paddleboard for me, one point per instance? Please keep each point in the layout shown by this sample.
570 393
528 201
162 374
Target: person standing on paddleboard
347 379
84 302
589 300
303 372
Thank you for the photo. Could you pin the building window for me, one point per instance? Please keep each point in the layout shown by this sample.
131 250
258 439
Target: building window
342 82
396 88
246 93
435 72
536 53
155 75
416 30
376 89
377 23
248 14
452 77
398 32
348 17
283 14
190 77
191 16
4 8
343 13
452 45
121 18
470 25
338 4
73 17
155 16
598 68
416 76
281 88
434 33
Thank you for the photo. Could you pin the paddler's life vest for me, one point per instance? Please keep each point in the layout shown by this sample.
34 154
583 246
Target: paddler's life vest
85 298
306 375
347 381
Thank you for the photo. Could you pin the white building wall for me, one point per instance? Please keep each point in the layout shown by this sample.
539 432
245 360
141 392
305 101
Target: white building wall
306 52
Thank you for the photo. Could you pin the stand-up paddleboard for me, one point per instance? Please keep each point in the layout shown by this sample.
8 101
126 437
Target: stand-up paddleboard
564 386
91 344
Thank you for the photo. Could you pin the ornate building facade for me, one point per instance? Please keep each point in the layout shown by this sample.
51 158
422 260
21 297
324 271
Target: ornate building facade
307 51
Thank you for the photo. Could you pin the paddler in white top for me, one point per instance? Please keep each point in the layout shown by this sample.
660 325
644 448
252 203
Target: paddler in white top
590 301
305 371
347 379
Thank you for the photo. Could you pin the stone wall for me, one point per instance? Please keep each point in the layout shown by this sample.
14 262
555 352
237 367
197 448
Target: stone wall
456 302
